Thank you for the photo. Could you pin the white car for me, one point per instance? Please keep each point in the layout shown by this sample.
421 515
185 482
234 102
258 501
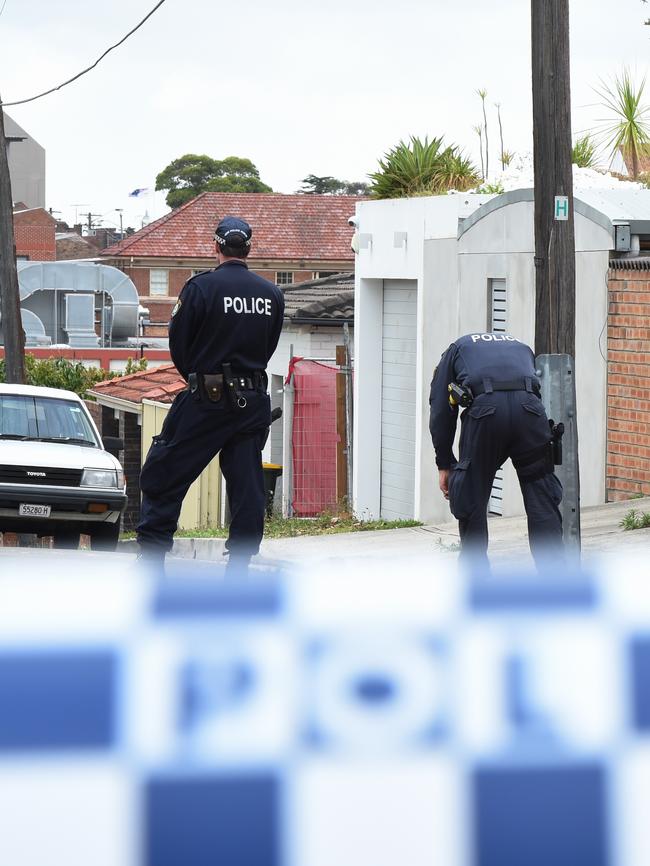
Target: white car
55 476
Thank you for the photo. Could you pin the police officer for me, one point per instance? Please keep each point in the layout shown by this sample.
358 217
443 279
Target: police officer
493 376
223 331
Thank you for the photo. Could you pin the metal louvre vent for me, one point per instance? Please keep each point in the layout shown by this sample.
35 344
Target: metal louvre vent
498 324
40 475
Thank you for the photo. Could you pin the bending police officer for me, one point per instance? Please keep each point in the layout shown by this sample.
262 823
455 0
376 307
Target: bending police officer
493 376
223 331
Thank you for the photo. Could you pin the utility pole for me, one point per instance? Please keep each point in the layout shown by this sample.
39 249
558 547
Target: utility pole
554 226
12 327
555 276
89 216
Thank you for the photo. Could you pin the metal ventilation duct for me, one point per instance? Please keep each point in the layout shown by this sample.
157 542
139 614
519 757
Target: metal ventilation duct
34 331
45 289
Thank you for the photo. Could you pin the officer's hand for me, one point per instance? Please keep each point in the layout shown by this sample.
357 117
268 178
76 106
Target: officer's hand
443 482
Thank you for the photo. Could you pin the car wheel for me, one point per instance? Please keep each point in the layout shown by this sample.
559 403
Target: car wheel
66 539
105 536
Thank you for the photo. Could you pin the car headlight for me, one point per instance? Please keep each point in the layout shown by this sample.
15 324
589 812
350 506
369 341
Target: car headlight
101 478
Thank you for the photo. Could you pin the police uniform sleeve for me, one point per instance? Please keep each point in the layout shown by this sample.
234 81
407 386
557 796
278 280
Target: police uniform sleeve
277 323
442 416
186 316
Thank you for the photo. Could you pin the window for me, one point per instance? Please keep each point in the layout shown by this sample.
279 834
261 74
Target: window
318 275
158 281
44 418
283 278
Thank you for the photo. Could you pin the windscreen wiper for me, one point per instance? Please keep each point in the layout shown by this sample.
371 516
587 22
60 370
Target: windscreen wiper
68 440
16 436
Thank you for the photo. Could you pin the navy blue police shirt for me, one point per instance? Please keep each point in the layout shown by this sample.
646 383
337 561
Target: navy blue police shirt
226 315
469 361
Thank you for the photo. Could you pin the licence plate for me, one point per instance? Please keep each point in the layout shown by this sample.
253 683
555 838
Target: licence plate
28 510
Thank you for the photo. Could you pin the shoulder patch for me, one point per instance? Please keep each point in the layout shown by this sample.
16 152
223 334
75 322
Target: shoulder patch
177 307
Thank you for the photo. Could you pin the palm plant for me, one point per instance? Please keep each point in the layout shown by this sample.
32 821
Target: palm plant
421 167
627 128
506 157
498 108
483 94
583 153
456 171
478 129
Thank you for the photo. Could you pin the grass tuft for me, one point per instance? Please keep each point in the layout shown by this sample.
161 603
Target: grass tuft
635 520
328 523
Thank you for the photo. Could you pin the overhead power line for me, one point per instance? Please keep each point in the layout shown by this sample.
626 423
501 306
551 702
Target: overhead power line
3 8
84 71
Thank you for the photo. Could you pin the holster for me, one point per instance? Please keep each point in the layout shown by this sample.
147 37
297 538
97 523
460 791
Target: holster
557 432
233 386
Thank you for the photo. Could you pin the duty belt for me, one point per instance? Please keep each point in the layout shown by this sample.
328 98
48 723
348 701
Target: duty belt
525 383
213 385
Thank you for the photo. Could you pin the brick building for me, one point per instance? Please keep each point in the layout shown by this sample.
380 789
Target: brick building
295 238
34 230
628 392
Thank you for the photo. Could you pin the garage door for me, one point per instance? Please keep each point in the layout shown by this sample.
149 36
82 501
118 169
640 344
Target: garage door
398 399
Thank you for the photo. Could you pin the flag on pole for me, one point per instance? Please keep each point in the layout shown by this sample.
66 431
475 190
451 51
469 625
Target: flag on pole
138 192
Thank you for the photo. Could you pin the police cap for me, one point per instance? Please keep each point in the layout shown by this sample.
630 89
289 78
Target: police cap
233 232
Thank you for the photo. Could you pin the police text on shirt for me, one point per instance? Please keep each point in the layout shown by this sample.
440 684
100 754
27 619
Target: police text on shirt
255 306
496 338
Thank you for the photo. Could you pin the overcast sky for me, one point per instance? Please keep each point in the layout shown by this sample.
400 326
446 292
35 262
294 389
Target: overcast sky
298 86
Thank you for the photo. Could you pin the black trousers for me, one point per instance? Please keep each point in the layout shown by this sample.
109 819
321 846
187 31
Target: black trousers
498 426
194 431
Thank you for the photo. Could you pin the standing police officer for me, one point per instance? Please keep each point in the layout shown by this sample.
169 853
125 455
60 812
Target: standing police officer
224 329
493 376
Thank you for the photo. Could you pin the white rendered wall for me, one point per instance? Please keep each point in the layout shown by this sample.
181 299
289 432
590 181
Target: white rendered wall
501 246
591 372
452 283
438 324
386 254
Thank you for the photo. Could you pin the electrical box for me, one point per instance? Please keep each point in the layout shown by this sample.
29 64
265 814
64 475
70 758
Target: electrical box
622 238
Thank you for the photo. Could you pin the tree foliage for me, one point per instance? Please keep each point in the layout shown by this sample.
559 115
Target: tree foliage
69 375
422 168
193 173
327 185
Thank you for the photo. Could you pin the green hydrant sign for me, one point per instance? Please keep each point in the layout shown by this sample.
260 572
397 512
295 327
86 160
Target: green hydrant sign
561 207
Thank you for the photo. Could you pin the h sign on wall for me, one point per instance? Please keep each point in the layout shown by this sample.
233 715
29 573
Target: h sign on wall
561 207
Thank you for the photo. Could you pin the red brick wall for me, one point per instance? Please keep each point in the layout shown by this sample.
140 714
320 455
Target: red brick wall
34 231
140 278
628 385
179 276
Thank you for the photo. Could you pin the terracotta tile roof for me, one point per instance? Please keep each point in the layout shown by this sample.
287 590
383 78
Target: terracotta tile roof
285 227
160 383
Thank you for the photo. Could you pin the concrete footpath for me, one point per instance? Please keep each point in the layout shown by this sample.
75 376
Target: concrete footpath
601 533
